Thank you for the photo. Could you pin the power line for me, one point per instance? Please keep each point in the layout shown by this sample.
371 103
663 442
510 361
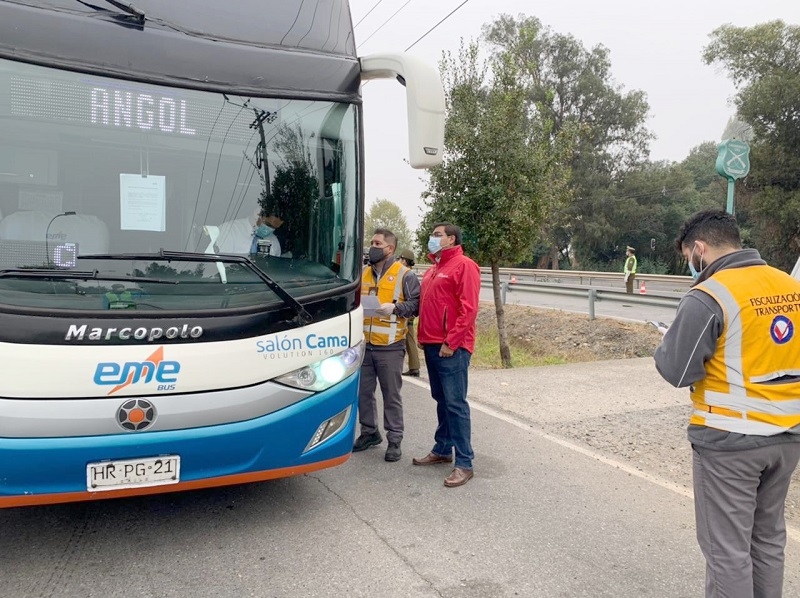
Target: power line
369 13
435 26
385 23
452 12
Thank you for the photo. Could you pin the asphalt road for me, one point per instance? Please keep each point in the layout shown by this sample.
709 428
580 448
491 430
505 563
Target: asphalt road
542 518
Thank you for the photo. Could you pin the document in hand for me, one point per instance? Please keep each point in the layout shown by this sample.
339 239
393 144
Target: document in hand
370 303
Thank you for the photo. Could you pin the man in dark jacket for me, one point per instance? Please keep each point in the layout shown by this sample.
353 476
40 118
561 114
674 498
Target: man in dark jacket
448 309
407 259
733 343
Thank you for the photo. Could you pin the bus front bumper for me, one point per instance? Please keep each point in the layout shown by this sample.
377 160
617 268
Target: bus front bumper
36 471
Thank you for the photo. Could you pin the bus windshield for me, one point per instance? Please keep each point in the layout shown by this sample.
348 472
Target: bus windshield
112 179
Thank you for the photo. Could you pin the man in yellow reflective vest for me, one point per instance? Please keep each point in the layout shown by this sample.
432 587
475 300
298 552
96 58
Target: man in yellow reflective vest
385 328
735 343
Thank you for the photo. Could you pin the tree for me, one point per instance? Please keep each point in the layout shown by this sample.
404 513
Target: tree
386 214
764 63
295 189
571 87
501 168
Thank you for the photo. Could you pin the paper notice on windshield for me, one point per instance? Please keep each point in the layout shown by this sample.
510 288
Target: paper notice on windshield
370 303
142 202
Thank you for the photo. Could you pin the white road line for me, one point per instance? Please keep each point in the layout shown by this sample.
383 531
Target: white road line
792 532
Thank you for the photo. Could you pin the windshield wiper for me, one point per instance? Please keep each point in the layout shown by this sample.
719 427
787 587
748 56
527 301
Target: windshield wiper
128 8
73 274
189 256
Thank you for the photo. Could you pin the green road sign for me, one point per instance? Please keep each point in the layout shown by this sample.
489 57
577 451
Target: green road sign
733 160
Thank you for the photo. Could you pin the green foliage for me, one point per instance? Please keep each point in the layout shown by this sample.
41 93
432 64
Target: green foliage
764 63
386 214
487 353
571 88
502 167
648 265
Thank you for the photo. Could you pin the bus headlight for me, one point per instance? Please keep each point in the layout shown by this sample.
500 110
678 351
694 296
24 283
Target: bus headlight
324 374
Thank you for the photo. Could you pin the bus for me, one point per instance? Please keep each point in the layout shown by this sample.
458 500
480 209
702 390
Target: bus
181 215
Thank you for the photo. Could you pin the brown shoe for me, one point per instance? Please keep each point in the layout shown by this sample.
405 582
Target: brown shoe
432 459
459 477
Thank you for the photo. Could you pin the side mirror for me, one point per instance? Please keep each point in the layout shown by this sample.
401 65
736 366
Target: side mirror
424 98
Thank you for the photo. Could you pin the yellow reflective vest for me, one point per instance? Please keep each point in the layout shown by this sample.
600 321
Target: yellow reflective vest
380 330
630 265
748 387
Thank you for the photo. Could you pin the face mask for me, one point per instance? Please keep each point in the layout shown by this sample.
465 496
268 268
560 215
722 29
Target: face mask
375 254
263 231
435 244
692 270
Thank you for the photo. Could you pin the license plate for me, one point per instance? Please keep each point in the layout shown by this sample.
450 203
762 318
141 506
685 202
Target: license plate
133 473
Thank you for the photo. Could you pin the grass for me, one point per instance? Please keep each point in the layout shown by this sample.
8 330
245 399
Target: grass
487 353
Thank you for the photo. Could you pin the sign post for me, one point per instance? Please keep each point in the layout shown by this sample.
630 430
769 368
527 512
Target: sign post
733 162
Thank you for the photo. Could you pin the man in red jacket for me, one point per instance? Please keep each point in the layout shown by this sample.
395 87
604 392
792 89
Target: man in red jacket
448 309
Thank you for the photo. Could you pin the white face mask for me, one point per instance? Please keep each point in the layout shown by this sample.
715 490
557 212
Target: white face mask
694 271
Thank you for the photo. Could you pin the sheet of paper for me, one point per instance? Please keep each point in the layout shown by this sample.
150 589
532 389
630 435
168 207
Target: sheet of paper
142 202
370 303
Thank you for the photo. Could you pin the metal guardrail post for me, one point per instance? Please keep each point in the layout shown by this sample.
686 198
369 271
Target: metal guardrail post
592 298
503 291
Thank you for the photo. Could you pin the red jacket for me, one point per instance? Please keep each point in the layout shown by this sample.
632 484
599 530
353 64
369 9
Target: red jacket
448 305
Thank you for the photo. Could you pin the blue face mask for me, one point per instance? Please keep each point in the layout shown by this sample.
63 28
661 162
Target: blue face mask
692 270
263 231
435 244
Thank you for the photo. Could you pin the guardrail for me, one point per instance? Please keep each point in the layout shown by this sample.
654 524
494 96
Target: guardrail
591 294
549 282
583 276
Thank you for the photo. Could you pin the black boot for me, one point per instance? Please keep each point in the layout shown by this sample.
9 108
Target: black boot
365 441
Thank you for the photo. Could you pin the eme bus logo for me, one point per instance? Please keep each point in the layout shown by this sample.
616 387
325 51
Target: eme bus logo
153 369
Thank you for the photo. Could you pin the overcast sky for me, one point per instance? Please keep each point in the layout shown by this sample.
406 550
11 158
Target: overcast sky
655 47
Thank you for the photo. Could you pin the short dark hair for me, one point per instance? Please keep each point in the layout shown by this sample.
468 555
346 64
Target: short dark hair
716 227
451 230
388 236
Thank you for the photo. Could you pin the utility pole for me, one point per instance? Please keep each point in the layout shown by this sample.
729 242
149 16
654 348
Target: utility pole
261 150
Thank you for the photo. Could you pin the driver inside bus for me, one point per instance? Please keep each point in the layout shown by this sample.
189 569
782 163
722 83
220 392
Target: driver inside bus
252 234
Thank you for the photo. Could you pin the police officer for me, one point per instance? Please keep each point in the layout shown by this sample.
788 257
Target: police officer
629 270
119 298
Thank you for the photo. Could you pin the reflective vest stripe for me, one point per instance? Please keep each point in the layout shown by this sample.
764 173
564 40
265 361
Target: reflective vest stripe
738 425
743 404
733 334
774 375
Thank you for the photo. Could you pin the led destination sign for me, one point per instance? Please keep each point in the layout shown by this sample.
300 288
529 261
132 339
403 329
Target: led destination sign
126 106
143 111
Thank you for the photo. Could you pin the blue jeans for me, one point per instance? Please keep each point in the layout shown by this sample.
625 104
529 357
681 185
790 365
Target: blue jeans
448 379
